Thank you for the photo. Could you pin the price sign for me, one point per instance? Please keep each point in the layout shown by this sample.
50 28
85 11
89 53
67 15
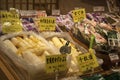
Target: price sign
78 15
8 15
11 28
46 24
10 22
41 14
56 63
55 12
113 57
99 8
87 61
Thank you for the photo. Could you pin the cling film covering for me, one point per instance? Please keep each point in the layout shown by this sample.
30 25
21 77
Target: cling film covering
28 50
59 40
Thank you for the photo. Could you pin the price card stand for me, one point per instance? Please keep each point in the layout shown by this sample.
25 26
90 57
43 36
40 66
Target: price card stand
87 62
56 74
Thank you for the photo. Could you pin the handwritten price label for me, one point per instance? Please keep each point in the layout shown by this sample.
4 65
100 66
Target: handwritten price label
8 15
87 61
56 63
46 24
78 15
10 22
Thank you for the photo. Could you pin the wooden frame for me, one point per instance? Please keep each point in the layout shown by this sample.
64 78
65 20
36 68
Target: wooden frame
112 6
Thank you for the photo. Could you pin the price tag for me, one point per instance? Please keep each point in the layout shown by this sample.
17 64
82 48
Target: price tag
87 62
113 57
56 63
8 15
99 8
11 28
46 24
55 12
27 13
78 15
41 14
10 22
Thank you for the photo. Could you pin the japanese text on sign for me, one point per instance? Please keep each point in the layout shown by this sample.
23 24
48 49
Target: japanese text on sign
11 28
8 15
56 63
46 24
10 22
78 15
87 61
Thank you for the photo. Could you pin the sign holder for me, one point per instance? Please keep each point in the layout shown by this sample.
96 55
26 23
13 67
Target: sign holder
56 74
88 61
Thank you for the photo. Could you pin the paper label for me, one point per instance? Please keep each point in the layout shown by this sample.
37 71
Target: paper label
113 57
27 13
10 22
87 62
56 63
55 12
78 15
8 15
46 24
99 8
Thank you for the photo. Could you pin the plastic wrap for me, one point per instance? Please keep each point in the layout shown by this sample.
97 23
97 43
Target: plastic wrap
59 40
26 60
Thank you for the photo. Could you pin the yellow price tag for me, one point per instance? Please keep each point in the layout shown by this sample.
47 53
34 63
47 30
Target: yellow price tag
10 22
11 28
87 62
8 15
78 15
46 24
56 63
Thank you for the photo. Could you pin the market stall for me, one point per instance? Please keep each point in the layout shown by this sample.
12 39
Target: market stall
35 46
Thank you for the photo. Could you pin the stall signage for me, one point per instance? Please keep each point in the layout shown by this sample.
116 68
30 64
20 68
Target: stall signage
78 15
87 62
46 24
27 13
56 63
8 15
10 22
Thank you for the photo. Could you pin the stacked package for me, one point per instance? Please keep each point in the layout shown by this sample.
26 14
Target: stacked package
95 24
64 22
